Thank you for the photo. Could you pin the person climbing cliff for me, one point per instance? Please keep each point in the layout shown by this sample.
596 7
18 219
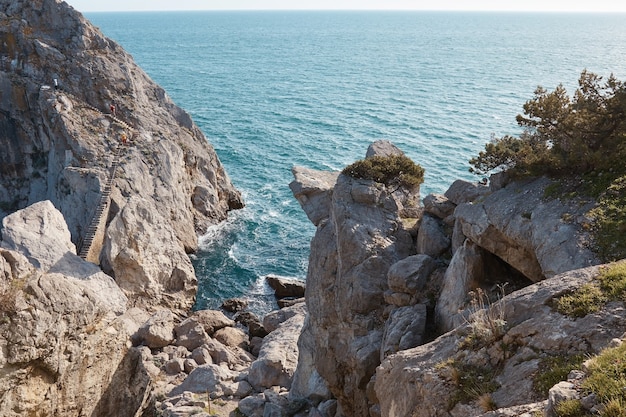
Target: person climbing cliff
124 138
112 108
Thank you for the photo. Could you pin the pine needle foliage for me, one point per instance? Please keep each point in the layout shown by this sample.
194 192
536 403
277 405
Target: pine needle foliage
392 170
564 135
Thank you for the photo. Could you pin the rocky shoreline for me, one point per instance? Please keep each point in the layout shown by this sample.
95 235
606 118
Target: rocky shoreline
405 299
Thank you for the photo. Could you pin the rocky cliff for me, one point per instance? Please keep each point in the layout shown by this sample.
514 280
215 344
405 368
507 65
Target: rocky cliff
384 282
96 160
62 141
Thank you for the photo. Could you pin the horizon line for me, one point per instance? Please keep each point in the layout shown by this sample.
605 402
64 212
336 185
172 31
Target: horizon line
365 10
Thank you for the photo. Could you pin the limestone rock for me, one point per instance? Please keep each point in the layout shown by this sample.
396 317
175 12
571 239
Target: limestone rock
431 239
438 205
40 232
356 242
462 191
313 191
231 336
418 381
66 335
307 383
462 276
404 329
151 275
158 331
211 320
410 274
65 140
212 378
278 356
286 287
190 334
382 148
274 319
234 305
252 322
527 231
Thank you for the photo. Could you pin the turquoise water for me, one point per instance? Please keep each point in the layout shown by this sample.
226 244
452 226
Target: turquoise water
276 89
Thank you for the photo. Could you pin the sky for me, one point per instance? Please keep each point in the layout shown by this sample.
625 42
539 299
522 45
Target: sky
495 5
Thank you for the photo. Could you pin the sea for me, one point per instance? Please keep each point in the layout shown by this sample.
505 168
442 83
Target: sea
277 89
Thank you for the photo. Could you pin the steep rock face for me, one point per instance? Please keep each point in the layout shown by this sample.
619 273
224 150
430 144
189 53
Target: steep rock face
64 326
358 239
66 140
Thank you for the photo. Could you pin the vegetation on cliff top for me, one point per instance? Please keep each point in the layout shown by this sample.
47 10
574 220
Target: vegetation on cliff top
581 137
392 170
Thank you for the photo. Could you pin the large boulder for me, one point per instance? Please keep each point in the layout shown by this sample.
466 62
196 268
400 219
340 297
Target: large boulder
150 275
66 328
420 381
40 232
278 356
538 236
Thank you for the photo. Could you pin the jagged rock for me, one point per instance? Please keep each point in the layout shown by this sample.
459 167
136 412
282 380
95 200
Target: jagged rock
233 357
175 366
273 320
404 329
231 336
190 334
286 287
521 227
158 331
151 275
359 237
307 383
313 189
253 405
462 191
562 391
410 274
438 205
278 356
66 331
234 305
64 140
289 302
252 322
465 271
211 320
431 239
418 381
201 356
212 378
382 148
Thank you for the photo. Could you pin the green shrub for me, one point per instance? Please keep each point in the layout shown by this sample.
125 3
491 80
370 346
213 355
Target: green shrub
563 135
607 377
609 285
394 170
553 370
472 383
609 218
570 408
586 300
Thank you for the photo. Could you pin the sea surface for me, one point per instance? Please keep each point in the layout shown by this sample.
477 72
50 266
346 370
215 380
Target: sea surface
276 89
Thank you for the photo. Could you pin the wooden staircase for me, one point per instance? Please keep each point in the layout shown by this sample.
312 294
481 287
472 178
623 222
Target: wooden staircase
101 209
